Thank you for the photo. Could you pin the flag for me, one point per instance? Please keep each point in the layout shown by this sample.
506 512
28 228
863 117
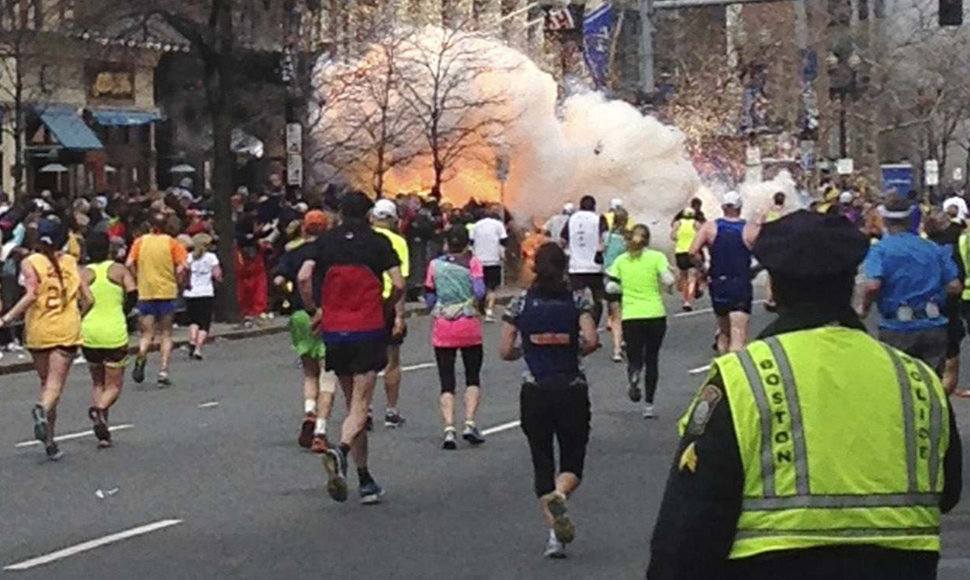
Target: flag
597 37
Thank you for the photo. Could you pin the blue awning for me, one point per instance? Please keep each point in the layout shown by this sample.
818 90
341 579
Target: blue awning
124 117
69 129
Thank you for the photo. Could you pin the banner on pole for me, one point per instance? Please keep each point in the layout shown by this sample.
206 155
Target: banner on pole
597 33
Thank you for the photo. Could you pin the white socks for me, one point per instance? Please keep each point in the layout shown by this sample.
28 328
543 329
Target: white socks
309 406
321 427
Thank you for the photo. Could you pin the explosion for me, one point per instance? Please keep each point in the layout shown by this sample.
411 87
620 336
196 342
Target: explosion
501 107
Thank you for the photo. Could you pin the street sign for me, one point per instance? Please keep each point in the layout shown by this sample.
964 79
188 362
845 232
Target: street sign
931 172
294 139
294 170
844 166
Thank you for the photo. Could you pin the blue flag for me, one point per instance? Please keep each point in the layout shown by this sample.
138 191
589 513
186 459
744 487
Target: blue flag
597 36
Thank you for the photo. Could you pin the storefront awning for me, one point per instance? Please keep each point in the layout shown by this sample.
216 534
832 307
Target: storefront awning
124 117
69 129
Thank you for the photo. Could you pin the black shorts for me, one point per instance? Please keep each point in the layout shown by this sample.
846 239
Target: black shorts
111 357
731 295
684 261
389 327
955 331
356 358
592 281
493 277
199 311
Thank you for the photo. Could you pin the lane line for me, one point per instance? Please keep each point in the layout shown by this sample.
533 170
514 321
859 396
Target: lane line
699 370
502 427
70 436
91 545
209 405
706 310
417 367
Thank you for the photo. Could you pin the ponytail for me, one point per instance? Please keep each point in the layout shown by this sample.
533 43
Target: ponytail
48 251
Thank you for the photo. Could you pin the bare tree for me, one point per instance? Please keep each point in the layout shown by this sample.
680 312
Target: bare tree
27 34
448 93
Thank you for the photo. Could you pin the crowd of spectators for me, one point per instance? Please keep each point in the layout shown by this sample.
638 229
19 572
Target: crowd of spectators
265 221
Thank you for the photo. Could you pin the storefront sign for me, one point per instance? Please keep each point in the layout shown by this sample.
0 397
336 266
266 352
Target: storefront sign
111 83
294 170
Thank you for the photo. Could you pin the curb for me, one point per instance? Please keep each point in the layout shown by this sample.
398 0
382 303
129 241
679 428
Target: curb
28 365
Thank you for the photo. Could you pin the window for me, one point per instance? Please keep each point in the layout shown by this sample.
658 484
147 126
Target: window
48 78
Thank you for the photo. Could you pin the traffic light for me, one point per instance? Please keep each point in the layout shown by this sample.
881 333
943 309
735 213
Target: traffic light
951 12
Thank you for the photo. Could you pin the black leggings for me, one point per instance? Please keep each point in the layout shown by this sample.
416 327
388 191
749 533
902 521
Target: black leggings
471 357
643 338
560 411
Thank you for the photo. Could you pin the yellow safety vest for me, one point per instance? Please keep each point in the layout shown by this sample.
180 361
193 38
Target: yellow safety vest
842 440
686 232
964 246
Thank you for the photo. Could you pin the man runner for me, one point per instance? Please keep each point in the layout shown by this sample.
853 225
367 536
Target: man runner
158 263
384 218
729 240
351 260
582 235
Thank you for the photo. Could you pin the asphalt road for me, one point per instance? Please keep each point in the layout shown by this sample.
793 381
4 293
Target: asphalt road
208 481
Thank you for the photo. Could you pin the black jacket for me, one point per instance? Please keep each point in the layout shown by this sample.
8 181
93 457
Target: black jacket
699 513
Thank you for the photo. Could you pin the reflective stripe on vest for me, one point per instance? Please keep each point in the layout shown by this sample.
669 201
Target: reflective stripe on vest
964 248
878 491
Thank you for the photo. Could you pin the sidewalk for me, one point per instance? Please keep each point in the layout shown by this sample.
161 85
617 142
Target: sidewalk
19 362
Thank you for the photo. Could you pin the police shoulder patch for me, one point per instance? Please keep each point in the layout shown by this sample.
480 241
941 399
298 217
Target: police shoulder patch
707 400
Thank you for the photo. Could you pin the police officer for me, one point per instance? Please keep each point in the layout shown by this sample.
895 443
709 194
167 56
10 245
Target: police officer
817 451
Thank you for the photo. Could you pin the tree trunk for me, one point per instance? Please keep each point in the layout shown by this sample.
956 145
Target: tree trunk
18 130
218 85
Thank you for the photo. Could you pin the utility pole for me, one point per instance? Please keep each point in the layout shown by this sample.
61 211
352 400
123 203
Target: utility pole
647 84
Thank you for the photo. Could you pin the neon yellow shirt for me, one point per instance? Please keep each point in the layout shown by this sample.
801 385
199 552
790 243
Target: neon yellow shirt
400 246
640 279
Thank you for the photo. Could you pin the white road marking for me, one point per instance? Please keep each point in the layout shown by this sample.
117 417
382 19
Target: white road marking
70 436
502 427
706 310
417 367
91 545
699 370
209 405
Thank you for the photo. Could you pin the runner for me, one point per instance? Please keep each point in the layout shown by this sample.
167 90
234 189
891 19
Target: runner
640 273
454 289
773 213
351 260
319 387
582 236
488 240
729 240
105 330
157 261
384 218
614 244
55 299
204 273
682 232
556 328
557 223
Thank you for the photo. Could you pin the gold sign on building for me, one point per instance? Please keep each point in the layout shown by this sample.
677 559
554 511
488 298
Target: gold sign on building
112 84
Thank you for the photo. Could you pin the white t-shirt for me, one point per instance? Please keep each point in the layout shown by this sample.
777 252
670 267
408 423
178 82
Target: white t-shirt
201 270
584 243
487 236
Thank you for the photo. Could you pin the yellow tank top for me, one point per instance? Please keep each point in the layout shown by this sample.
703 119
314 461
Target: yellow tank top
54 319
104 326
685 235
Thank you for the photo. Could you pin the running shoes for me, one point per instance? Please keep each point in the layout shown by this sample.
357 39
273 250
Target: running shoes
472 434
335 462
450 443
393 420
306 430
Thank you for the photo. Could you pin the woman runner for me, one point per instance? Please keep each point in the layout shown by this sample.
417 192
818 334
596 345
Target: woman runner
454 288
204 273
50 304
557 327
105 330
614 244
639 275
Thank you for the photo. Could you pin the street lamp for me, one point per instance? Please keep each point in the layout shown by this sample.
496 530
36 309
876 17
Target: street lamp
843 79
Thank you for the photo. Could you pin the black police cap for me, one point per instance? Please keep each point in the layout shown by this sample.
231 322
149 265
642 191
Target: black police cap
806 244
